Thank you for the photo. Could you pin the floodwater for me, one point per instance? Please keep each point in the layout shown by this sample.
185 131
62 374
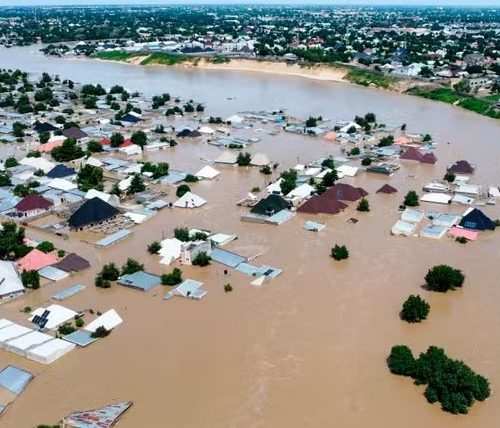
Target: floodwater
307 349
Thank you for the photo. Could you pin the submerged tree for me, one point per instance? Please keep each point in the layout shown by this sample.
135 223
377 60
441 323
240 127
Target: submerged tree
443 278
339 252
411 199
415 309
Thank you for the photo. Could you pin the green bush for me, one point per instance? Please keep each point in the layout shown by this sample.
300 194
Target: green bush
202 259
340 252
173 278
101 282
411 199
415 309
45 246
66 328
30 279
451 382
110 272
79 322
131 266
100 332
228 288
443 278
154 247
363 205
182 190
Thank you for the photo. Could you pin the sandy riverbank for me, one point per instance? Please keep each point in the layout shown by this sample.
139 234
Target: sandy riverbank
320 72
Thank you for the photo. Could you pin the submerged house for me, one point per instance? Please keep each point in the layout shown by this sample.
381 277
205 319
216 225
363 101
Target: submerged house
346 192
461 167
32 205
475 219
388 189
10 281
61 171
271 205
189 250
92 212
322 204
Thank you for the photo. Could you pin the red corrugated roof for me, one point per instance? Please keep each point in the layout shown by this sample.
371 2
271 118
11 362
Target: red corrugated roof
33 202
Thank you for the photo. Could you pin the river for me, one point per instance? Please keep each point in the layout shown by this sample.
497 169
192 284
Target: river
308 349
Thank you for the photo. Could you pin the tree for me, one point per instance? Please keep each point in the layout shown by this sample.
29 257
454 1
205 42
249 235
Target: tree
355 151
330 178
411 199
18 129
443 278
90 177
190 178
451 382
12 241
136 185
23 190
182 234
340 252
202 259
79 322
11 162
94 146
311 122
66 328
139 138
30 279
388 140
110 272
45 246
182 190
101 282
363 205
266 170
288 181
4 179
243 159
415 309
173 278
449 177
68 151
100 332
366 161
426 138
154 247
131 266
370 118
116 140
228 288
401 361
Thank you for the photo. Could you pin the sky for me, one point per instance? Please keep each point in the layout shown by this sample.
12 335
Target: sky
333 2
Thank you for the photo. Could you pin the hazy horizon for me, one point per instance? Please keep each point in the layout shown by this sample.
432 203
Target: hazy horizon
253 2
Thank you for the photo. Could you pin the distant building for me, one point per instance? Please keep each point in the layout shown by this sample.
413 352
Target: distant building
32 205
477 82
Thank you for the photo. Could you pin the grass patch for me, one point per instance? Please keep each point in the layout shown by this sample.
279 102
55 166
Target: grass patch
163 58
367 78
483 106
218 59
115 55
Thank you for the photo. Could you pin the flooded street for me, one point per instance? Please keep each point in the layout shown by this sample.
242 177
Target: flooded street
309 348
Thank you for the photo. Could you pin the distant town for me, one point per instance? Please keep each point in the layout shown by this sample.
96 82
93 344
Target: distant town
454 50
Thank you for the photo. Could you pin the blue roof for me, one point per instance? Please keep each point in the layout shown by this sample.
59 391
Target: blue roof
227 258
246 268
141 280
173 177
60 171
14 379
268 271
80 338
68 292
114 238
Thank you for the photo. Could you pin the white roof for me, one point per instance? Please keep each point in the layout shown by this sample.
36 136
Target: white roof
106 197
346 128
275 187
55 138
134 168
133 149
403 228
108 320
234 119
437 198
188 287
226 157
207 172
50 351
190 200
58 315
312 171
260 159
493 192
301 192
94 161
11 332
347 170
206 130
61 184
5 323
170 250
10 280
21 344
125 184
137 218
222 238
38 163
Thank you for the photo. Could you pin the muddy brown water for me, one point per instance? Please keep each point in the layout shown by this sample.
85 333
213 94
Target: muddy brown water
307 349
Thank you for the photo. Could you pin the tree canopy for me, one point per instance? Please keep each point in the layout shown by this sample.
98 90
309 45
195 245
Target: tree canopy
443 278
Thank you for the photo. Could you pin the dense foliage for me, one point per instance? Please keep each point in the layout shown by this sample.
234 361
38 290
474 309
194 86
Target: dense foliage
443 278
415 309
